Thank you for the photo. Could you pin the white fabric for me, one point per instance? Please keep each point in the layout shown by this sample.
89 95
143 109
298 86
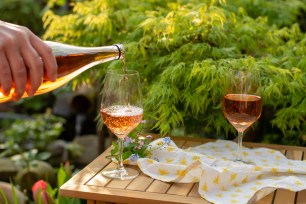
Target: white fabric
222 181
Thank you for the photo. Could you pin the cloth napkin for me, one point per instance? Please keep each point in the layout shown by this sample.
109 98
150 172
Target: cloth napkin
222 181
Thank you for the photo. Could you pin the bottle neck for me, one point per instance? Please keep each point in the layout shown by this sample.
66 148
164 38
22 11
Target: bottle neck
121 51
60 49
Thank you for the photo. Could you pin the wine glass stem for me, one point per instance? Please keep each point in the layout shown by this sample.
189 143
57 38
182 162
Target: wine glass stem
239 150
120 166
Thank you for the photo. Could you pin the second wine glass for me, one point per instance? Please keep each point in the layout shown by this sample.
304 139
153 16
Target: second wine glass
121 111
242 104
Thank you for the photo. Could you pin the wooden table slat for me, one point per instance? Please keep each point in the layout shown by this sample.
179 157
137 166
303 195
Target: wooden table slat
294 154
283 196
140 183
191 144
180 188
158 187
118 184
180 143
267 199
301 197
99 179
194 191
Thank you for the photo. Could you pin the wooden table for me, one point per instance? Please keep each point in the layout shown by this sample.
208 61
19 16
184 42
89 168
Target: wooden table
89 184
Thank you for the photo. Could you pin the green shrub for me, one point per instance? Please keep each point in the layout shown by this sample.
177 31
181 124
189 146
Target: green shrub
36 133
184 48
22 12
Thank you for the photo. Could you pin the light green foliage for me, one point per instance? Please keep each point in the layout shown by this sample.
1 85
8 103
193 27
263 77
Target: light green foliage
184 49
279 12
64 173
3 196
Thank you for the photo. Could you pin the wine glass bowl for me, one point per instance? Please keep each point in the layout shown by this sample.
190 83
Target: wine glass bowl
121 111
121 119
242 103
241 110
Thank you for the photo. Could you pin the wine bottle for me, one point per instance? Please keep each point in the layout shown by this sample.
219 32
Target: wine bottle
72 61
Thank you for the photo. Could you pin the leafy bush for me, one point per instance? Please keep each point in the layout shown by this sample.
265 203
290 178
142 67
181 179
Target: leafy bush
184 48
279 12
36 133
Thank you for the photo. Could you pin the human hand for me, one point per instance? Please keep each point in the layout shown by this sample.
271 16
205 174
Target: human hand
25 61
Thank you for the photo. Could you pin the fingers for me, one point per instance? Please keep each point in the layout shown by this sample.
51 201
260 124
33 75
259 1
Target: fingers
18 70
5 73
45 52
35 69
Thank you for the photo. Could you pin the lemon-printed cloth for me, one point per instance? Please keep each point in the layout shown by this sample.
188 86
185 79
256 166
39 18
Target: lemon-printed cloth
222 181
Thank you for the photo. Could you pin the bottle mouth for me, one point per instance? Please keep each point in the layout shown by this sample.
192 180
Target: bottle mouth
121 50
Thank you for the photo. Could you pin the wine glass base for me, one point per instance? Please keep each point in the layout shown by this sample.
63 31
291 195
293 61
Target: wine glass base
125 174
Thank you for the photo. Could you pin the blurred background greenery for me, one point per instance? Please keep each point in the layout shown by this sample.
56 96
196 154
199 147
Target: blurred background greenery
29 12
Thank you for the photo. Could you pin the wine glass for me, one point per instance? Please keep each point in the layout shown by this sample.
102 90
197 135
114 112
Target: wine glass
121 111
242 104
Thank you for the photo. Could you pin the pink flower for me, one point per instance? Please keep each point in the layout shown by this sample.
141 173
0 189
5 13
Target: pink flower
40 195
141 143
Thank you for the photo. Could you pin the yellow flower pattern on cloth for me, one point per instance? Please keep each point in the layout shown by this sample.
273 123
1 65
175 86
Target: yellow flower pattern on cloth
222 181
